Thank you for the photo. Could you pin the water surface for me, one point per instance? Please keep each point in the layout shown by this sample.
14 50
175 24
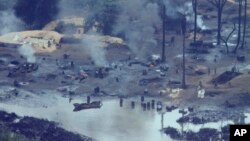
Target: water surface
111 122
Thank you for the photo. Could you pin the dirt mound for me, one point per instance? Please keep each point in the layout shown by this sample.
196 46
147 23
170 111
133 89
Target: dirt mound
41 41
76 21
225 77
105 39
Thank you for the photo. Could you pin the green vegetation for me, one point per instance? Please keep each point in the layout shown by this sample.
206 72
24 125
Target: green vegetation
6 135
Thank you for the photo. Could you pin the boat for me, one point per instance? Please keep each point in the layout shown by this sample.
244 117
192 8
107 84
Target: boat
84 106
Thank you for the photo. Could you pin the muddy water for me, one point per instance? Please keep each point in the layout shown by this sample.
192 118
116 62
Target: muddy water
111 122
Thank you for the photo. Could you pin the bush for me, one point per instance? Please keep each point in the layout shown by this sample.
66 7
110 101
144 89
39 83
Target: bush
6 135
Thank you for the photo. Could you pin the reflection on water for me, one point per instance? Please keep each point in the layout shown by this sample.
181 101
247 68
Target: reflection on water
111 122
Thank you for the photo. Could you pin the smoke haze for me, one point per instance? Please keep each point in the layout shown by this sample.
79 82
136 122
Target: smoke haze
28 52
185 8
95 46
8 20
138 21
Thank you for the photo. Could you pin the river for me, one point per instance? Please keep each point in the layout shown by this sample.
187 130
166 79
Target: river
109 123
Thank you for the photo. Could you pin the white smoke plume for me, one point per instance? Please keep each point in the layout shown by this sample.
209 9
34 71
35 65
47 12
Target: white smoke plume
175 8
138 21
188 10
28 52
200 22
8 20
91 42
73 8
95 46
183 7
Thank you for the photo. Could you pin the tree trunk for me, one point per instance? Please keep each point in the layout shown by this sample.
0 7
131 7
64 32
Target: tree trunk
195 19
183 63
163 59
219 25
239 27
183 52
244 25
219 4
228 37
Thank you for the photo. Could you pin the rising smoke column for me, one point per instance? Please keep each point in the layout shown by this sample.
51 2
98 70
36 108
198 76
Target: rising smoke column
137 22
91 42
95 46
188 10
8 20
74 8
173 7
28 52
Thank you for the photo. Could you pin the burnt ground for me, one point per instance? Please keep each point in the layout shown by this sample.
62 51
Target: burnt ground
127 77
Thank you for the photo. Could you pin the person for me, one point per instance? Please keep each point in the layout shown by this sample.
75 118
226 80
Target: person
215 85
176 71
172 41
215 60
99 73
129 57
234 69
57 62
15 92
200 91
70 99
97 90
65 56
117 79
200 84
16 83
72 64
49 44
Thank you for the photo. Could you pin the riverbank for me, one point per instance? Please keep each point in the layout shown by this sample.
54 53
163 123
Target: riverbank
36 129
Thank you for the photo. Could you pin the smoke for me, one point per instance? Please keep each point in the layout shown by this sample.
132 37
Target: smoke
175 7
28 52
73 8
137 22
8 20
171 8
187 10
95 46
92 42
200 22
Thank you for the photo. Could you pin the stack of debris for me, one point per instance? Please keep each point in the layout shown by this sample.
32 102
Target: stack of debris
23 69
146 81
199 47
225 77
